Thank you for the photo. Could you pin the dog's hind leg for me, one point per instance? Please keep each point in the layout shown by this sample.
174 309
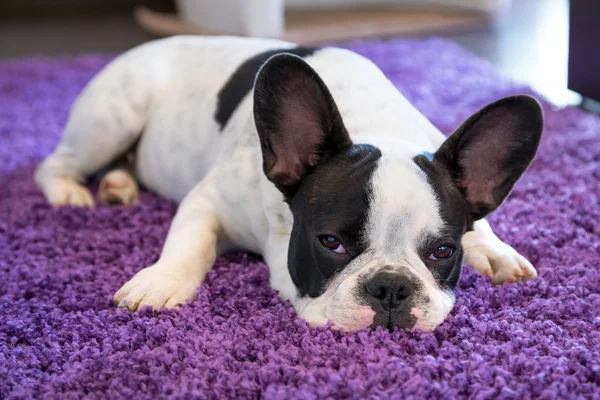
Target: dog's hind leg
104 123
118 184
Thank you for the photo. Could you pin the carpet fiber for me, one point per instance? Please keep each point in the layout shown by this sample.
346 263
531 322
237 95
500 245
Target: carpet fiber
60 337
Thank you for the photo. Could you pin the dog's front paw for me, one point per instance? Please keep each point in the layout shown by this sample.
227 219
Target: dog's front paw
157 287
500 261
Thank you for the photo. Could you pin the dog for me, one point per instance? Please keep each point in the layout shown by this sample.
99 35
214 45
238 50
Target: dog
361 208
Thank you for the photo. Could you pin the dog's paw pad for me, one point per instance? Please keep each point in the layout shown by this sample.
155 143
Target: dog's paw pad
65 191
499 261
118 188
155 288
512 268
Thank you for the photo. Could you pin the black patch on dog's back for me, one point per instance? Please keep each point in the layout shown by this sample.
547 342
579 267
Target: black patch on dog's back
240 83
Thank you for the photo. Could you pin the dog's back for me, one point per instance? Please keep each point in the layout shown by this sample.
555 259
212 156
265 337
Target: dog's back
190 98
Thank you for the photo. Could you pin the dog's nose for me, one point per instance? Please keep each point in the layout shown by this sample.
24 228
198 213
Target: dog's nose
389 289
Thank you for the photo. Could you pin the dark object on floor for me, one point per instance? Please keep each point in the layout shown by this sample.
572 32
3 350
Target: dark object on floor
584 57
77 8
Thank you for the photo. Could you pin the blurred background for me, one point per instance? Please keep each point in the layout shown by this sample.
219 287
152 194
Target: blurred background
548 44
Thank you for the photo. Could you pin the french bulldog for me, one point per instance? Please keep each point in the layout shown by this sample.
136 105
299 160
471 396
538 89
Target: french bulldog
362 209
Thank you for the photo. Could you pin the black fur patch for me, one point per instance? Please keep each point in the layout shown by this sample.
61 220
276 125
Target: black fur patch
242 81
334 200
475 169
456 217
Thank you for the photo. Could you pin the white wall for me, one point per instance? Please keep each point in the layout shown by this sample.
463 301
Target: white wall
265 18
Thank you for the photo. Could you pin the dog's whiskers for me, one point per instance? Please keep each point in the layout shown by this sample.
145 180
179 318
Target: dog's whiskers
273 209
284 218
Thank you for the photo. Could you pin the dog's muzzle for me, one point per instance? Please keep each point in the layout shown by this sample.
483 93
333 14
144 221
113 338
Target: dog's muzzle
391 295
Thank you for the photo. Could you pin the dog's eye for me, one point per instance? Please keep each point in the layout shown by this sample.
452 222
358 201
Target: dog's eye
442 253
332 244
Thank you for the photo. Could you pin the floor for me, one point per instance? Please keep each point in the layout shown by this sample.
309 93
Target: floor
530 43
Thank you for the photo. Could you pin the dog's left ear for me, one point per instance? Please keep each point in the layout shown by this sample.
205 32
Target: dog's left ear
297 120
490 151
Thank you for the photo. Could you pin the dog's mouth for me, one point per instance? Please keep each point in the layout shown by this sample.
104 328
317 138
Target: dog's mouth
390 326
387 321
392 319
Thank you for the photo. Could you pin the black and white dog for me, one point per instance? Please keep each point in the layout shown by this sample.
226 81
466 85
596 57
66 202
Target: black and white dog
362 209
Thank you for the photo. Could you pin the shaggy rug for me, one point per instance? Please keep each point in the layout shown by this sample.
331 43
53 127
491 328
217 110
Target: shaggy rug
60 337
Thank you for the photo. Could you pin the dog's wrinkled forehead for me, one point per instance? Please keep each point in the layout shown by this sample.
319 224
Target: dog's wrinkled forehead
404 208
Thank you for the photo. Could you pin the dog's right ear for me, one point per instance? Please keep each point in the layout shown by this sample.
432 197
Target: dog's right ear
490 151
297 120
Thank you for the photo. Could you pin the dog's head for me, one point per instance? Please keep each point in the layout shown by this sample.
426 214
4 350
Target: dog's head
376 237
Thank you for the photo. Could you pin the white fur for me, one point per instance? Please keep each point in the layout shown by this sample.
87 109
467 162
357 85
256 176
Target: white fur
164 93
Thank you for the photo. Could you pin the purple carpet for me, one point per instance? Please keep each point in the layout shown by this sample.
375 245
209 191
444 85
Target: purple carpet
60 337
